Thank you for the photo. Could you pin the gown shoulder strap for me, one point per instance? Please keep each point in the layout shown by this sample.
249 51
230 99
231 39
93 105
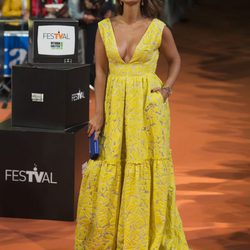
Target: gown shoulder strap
103 29
159 26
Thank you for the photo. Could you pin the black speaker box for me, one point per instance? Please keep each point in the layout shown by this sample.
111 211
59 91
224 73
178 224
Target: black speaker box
41 171
50 96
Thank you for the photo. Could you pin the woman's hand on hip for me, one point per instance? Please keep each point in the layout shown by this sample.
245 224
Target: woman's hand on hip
164 95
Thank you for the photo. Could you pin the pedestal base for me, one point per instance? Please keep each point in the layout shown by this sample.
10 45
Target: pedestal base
40 171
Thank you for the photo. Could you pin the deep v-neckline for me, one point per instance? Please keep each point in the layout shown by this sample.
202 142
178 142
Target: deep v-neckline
136 47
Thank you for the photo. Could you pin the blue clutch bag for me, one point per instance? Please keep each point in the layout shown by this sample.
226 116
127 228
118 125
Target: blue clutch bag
93 147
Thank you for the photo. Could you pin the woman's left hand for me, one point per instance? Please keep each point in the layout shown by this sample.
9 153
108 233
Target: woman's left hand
162 92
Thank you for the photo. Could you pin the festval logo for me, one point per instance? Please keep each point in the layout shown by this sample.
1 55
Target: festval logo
77 96
56 36
29 176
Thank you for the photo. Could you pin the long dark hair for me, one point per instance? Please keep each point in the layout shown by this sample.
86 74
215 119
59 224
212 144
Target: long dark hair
150 8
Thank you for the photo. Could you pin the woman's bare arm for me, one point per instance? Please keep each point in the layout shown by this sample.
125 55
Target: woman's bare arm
101 65
170 52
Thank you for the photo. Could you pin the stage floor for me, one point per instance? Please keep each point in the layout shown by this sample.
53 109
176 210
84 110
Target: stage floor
210 137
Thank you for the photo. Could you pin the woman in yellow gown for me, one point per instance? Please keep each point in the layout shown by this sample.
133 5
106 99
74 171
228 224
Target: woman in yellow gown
127 195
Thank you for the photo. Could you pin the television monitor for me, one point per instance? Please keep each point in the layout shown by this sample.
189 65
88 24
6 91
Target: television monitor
53 41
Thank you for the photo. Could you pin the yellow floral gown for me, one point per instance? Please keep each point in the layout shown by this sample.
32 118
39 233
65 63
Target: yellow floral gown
127 196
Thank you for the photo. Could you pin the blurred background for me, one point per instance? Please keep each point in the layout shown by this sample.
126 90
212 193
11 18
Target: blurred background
210 114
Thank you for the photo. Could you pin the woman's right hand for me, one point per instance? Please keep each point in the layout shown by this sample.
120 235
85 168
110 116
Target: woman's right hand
96 124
